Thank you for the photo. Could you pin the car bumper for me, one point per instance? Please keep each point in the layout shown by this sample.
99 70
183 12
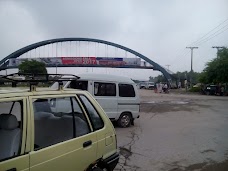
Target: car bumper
111 162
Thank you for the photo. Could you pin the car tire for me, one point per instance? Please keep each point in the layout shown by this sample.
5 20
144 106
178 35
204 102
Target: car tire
124 120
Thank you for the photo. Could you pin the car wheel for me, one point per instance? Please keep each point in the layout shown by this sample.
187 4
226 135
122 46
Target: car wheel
124 120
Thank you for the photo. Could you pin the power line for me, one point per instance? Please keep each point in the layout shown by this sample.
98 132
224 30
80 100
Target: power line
215 33
209 32
204 38
212 37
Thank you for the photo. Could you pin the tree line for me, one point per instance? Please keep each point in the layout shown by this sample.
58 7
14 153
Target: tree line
215 72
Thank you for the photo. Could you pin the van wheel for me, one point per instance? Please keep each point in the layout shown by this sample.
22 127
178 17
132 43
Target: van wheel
125 120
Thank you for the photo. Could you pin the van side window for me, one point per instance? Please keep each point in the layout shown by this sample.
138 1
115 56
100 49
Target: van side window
95 118
57 120
104 89
126 90
82 85
10 129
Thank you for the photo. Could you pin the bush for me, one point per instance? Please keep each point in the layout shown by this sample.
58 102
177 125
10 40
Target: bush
195 89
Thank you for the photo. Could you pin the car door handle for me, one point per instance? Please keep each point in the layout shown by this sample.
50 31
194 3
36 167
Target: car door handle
87 143
13 169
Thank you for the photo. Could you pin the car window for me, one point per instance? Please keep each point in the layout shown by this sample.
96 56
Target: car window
57 120
76 84
10 129
95 118
126 90
104 89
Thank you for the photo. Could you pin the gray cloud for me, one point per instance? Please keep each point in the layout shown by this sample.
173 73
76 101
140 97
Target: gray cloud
158 29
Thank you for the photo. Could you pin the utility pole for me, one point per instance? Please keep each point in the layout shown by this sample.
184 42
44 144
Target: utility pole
218 48
192 48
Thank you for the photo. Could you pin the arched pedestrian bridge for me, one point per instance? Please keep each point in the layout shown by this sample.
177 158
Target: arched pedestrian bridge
53 50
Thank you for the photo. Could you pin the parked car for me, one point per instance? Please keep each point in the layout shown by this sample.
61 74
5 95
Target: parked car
210 90
35 135
142 85
150 85
147 85
117 95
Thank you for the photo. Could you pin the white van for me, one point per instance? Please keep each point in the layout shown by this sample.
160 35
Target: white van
117 95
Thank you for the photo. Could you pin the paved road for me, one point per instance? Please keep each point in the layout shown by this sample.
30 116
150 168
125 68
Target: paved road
176 132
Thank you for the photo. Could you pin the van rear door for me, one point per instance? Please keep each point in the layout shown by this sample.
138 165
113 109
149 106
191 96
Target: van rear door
106 95
128 100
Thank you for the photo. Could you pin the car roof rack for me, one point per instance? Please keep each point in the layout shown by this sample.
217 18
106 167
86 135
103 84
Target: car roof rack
34 79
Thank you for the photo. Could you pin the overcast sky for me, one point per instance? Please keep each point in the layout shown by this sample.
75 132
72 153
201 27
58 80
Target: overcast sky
159 29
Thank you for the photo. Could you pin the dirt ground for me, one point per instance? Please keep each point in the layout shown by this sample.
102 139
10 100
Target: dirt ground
176 132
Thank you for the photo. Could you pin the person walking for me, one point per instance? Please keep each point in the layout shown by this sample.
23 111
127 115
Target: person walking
165 88
186 85
222 91
179 85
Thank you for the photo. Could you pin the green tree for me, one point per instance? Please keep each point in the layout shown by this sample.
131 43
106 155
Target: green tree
151 79
32 67
160 78
179 76
216 71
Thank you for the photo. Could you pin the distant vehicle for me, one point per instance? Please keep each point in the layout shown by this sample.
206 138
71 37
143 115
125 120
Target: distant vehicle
210 90
117 95
142 85
150 85
147 85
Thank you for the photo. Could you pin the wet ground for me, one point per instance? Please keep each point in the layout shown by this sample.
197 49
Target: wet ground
176 132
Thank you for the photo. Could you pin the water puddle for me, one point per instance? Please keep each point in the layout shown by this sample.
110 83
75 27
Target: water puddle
151 102
178 102
163 102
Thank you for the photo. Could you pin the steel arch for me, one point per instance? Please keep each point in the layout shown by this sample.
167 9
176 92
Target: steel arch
23 50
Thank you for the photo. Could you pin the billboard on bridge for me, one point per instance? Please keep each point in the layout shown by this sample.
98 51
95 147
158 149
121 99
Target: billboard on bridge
96 61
